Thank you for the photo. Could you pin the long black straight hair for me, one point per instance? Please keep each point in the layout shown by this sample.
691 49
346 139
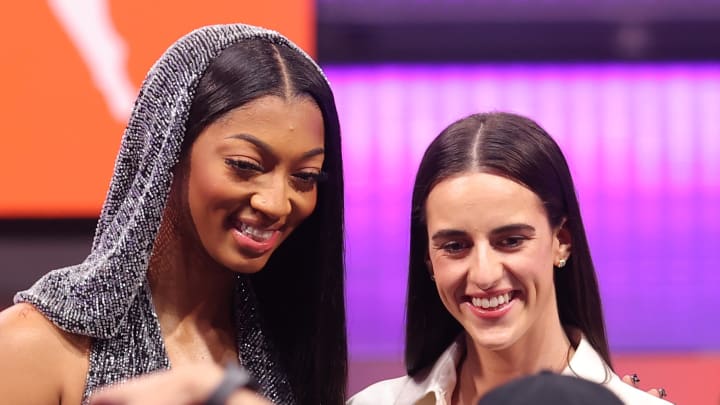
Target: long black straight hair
301 289
517 148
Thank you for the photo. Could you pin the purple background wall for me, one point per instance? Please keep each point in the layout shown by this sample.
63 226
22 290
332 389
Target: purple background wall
643 143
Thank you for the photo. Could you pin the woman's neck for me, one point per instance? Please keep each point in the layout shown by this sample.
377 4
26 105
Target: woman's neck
190 290
193 298
484 369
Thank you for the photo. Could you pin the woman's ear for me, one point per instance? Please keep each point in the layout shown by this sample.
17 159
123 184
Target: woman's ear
564 239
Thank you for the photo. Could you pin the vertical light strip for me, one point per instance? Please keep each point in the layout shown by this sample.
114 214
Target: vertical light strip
647 131
681 102
708 106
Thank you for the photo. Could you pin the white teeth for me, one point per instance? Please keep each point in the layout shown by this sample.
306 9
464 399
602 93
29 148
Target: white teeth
492 302
254 233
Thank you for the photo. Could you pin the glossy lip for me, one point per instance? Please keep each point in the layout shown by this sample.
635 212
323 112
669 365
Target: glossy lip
489 314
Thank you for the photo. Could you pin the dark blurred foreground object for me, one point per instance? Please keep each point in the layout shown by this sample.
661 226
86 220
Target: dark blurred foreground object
550 388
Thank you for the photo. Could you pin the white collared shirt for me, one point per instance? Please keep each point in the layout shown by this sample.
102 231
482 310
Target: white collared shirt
435 385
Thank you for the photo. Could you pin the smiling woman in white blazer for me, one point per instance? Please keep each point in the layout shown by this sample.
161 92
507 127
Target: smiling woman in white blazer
501 280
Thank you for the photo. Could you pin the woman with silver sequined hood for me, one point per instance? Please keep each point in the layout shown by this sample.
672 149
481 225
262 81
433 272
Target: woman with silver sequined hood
221 236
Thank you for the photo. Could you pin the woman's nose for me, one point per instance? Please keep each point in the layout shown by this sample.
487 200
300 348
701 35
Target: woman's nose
272 200
486 269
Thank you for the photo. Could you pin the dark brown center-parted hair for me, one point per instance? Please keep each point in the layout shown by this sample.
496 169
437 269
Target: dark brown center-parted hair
517 148
301 289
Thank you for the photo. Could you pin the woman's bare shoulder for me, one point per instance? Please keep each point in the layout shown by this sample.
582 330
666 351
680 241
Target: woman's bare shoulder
37 357
23 326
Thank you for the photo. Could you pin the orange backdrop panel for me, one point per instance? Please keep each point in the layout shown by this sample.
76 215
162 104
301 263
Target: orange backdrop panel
58 139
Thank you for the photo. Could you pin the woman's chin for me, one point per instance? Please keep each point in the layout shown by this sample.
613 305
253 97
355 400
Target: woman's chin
492 340
240 263
251 266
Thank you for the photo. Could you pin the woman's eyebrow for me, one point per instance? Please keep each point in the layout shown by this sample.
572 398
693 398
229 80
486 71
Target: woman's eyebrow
513 228
313 152
253 140
447 233
454 233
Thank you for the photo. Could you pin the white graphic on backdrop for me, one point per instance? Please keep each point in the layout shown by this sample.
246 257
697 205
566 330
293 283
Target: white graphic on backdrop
90 27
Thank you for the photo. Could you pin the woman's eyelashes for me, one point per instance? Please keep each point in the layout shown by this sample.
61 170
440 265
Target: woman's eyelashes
310 177
301 180
511 242
306 181
456 248
244 166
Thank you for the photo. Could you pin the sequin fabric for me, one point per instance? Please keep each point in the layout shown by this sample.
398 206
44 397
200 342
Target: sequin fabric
106 297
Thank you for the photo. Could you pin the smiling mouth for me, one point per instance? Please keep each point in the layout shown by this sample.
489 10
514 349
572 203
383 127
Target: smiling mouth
493 303
256 234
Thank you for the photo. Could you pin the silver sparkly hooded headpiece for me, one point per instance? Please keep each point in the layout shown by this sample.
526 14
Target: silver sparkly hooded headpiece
107 297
